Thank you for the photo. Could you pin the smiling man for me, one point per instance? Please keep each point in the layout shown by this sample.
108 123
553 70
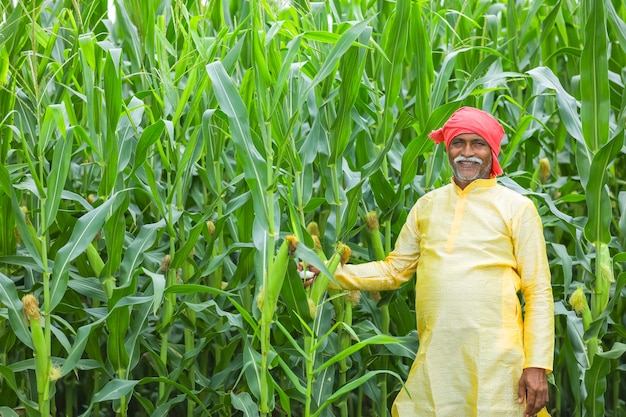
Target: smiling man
474 247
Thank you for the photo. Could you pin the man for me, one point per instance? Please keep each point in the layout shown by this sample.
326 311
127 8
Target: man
472 244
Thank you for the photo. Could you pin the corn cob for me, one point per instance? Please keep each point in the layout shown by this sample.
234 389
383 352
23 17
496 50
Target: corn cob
41 356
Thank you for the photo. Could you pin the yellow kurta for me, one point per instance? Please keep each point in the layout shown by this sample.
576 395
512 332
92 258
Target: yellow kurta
472 250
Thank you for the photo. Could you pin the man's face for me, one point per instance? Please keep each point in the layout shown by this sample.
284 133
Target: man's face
470 158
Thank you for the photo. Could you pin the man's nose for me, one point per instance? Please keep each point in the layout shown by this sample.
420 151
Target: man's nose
467 150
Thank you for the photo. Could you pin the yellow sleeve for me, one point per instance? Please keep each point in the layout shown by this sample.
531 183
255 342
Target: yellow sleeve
397 268
532 266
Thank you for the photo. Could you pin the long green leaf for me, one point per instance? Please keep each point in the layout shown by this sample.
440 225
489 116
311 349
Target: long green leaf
114 390
351 70
594 80
80 341
135 251
350 386
9 297
294 296
598 226
58 174
7 412
339 49
20 217
244 403
150 135
618 25
595 384
86 228
253 161
378 339
422 142
545 78
53 120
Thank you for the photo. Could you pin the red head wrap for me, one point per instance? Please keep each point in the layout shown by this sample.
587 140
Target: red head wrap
471 120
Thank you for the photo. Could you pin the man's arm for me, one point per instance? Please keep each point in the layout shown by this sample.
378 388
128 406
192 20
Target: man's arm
396 269
530 251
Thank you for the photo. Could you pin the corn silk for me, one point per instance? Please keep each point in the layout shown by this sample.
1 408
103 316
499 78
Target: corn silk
473 252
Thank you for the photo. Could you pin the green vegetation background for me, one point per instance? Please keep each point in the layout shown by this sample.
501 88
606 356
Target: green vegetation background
152 167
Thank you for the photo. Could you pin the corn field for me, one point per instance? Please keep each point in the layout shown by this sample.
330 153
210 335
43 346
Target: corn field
164 165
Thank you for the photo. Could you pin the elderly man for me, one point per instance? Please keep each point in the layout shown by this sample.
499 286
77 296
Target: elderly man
473 245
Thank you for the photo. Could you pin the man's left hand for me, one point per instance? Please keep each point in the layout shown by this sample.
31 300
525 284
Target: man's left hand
533 385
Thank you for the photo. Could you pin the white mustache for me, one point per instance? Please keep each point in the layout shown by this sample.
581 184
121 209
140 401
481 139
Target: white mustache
470 159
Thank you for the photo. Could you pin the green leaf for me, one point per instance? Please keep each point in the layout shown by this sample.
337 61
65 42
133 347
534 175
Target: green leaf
294 296
281 84
598 226
58 174
80 341
114 390
85 230
616 351
182 388
136 250
20 217
10 29
113 88
574 333
442 78
378 339
595 384
244 403
350 70
566 265
149 137
252 369
195 288
53 119
349 387
183 253
9 297
186 164
158 285
253 162
7 412
114 236
422 143
419 44
344 43
139 324
545 79
618 26
594 80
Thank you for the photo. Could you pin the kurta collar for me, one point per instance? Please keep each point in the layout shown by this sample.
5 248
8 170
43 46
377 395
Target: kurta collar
479 183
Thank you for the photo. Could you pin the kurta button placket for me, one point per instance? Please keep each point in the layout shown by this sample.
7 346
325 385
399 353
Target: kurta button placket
458 218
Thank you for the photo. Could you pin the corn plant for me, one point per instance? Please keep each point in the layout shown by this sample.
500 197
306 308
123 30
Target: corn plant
161 163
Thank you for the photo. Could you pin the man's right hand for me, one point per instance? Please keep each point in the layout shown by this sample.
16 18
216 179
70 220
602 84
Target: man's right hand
307 278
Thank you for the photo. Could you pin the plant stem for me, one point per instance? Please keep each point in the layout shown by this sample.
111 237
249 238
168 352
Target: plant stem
190 338
310 359
344 343
379 254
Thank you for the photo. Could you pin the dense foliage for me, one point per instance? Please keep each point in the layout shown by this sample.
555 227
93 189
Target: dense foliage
163 167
